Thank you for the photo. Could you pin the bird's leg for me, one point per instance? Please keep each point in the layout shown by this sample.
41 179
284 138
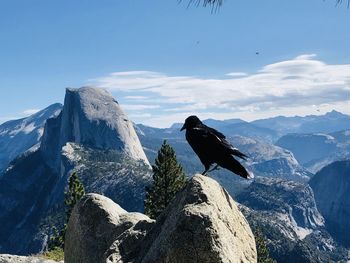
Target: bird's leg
207 170
207 167
216 167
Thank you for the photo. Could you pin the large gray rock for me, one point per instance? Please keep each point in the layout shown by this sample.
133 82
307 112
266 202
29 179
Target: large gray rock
5 258
202 224
94 225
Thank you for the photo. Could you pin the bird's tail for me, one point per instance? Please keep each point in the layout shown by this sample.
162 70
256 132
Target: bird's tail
239 154
234 166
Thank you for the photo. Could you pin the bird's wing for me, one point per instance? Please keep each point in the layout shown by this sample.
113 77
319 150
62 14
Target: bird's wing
215 132
216 135
230 163
198 138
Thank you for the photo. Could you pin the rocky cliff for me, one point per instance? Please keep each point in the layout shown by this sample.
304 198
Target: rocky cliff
91 117
202 224
331 186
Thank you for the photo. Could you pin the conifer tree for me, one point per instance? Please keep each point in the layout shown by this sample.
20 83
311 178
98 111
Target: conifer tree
168 179
75 192
262 249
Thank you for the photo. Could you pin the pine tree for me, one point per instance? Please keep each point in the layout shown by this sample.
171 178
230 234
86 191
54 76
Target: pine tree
168 179
262 249
75 192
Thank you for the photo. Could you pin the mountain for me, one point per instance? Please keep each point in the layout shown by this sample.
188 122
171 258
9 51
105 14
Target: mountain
331 186
317 150
330 122
91 135
18 136
286 213
93 118
221 123
308 147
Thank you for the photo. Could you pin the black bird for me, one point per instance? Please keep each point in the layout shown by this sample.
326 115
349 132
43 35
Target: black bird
212 147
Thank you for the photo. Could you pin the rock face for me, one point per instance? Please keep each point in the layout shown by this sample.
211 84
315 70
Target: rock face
331 186
91 117
202 224
20 259
94 225
18 136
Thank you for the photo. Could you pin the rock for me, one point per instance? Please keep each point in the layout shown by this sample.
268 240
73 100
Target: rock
5 258
94 225
202 224
91 117
331 186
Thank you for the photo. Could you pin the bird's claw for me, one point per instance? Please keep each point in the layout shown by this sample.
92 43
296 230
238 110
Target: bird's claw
216 167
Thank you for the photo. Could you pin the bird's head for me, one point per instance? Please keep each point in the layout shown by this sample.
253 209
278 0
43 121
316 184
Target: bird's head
191 122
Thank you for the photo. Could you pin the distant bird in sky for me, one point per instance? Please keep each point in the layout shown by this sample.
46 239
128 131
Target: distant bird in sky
212 147
257 53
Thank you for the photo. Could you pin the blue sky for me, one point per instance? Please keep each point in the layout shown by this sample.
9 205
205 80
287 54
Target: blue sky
163 61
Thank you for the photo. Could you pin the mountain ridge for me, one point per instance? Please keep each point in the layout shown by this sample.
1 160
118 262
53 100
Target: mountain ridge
18 136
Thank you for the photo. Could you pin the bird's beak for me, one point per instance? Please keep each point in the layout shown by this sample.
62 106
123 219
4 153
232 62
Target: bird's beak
183 127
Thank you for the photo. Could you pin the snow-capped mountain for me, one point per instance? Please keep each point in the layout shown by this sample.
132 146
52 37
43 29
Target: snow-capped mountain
18 136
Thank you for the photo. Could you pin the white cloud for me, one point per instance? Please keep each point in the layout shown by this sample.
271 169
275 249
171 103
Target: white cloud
237 74
132 107
306 56
283 87
135 97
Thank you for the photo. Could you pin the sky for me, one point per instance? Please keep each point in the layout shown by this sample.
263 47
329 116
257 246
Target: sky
163 60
